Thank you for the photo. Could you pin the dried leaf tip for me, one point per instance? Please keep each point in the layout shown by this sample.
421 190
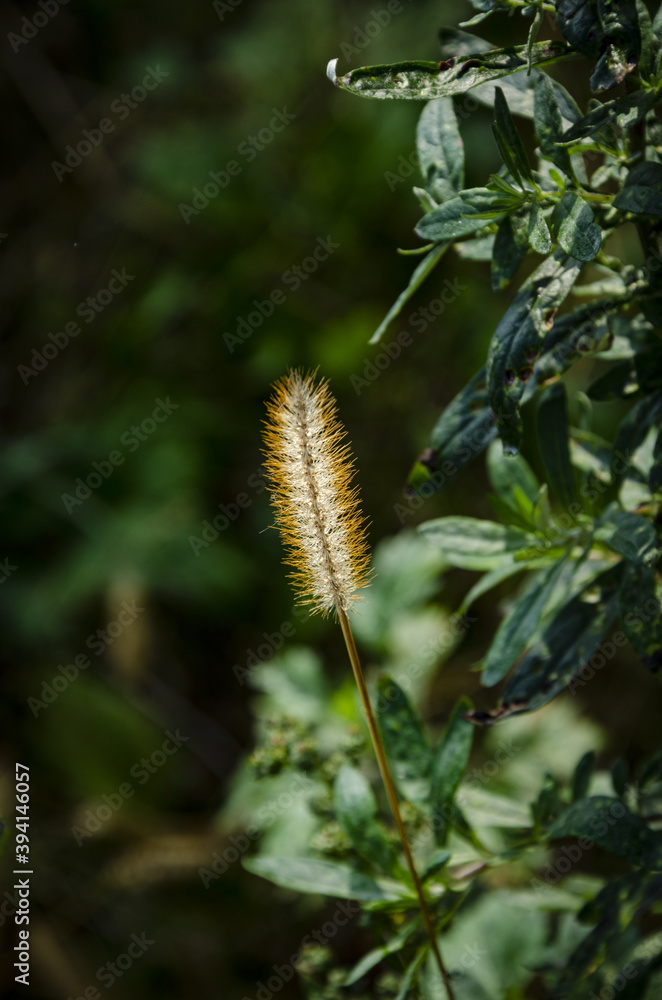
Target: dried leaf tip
310 471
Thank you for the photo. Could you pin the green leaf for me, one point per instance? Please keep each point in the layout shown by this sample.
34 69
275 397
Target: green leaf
617 383
630 535
511 145
579 23
620 45
448 767
440 149
549 124
459 216
407 748
489 809
581 780
642 192
426 81
421 272
540 239
518 87
606 821
463 431
655 473
576 229
436 861
517 340
491 579
640 614
375 956
635 426
553 435
515 631
647 41
567 643
356 811
473 544
510 248
506 474
575 335
623 111
325 878
409 974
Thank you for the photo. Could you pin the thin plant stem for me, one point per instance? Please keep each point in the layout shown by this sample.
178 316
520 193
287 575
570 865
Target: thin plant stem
392 794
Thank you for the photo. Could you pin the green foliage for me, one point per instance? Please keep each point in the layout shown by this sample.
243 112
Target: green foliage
587 538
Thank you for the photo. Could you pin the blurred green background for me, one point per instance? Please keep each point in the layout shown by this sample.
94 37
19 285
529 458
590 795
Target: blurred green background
123 610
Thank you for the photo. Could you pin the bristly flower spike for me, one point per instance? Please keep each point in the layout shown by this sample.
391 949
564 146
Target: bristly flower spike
317 508
310 469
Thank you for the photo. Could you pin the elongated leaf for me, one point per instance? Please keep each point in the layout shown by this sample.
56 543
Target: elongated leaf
621 43
421 272
608 823
567 643
375 956
406 746
518 626
549 124
540 239
631 535
581 780
635 426
491 579
484 808
325 878
579 23
553 437
472 544
622 111
518 162
440 149
506 474
356 811
510 248
518 88
642 192
576 229
640 614
459 216
426 81
518 338
575 335
448 767
463 431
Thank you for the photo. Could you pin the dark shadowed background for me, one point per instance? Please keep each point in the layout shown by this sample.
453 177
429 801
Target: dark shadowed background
189 208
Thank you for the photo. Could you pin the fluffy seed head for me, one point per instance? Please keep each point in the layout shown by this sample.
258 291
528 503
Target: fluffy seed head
317 509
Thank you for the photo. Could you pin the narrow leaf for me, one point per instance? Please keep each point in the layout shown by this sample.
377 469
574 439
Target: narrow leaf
642 192
473 544
426 81
325 878
406 746
440 149
549 124
510 136
421 272
518 626
553 436
356 811
517 340
448 767
607 822
510 248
